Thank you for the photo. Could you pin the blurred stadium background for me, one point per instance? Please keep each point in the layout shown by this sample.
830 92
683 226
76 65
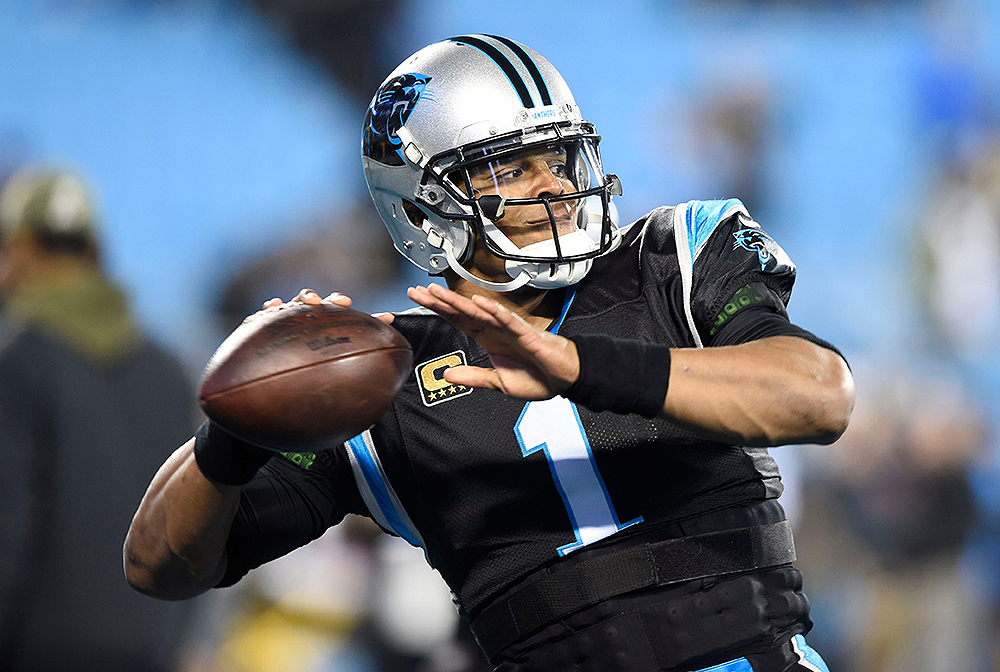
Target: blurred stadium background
221 139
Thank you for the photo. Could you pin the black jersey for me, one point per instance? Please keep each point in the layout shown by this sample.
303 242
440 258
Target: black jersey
493 488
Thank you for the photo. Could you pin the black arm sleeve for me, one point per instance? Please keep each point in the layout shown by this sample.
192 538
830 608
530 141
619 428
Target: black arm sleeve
755 323
288 505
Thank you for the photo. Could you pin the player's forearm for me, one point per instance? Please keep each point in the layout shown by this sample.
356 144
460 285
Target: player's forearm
774 391
175 548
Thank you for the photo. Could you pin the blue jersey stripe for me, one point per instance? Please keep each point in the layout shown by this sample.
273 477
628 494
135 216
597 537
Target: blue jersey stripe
375 479
567 302
703 217
808 656
738 665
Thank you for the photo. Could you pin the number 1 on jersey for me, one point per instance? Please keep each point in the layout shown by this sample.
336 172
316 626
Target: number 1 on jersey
554 426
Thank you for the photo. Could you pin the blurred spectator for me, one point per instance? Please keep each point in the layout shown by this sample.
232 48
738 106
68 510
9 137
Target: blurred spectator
959 282
886 527
734 136
719 141
356 40
89 408
414 624
960 245
298 614
355 600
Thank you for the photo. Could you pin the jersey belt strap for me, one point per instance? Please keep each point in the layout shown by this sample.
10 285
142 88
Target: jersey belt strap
565 591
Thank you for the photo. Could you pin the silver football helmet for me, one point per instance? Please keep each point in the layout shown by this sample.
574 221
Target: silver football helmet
452 138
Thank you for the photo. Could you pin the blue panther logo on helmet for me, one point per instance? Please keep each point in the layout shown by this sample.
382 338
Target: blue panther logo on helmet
754 240
388 112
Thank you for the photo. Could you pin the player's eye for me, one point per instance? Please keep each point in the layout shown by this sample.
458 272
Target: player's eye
559 170
512 173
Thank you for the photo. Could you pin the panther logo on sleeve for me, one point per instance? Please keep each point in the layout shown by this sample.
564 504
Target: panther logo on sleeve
755 240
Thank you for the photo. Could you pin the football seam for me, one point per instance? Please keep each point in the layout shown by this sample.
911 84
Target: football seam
299 368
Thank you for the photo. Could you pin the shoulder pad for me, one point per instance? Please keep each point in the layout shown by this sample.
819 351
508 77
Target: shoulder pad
652 230
702 217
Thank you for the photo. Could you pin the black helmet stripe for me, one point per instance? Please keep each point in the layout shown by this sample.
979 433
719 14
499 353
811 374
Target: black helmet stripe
503 62
529 64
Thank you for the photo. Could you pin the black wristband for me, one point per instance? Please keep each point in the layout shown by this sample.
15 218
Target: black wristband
620 375
226 458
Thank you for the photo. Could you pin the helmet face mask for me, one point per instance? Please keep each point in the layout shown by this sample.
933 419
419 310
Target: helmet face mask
457 142
542 183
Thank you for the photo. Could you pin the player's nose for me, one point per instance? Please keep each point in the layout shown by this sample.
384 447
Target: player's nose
546 183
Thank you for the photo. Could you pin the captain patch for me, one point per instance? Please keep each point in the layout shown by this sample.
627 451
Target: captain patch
434 389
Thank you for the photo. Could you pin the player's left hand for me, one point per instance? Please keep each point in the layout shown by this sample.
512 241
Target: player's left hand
528 362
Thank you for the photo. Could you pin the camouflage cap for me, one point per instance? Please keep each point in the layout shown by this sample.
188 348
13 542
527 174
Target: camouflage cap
52 204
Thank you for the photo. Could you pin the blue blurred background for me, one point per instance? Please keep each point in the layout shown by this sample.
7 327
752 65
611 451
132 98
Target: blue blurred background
221 139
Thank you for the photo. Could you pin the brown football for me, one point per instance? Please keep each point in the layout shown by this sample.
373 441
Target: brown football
302 378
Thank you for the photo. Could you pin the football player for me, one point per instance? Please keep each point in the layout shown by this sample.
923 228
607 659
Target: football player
582 448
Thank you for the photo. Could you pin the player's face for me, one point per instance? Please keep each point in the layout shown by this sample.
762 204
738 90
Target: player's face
531 174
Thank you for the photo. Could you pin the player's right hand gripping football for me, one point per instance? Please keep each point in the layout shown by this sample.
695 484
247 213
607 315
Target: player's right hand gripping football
312 298
528 362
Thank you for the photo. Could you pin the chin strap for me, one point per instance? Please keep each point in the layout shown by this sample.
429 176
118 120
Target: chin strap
521 280
569 273
549 275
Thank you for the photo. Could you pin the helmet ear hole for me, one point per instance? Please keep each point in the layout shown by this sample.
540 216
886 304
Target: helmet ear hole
417 218
414 215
